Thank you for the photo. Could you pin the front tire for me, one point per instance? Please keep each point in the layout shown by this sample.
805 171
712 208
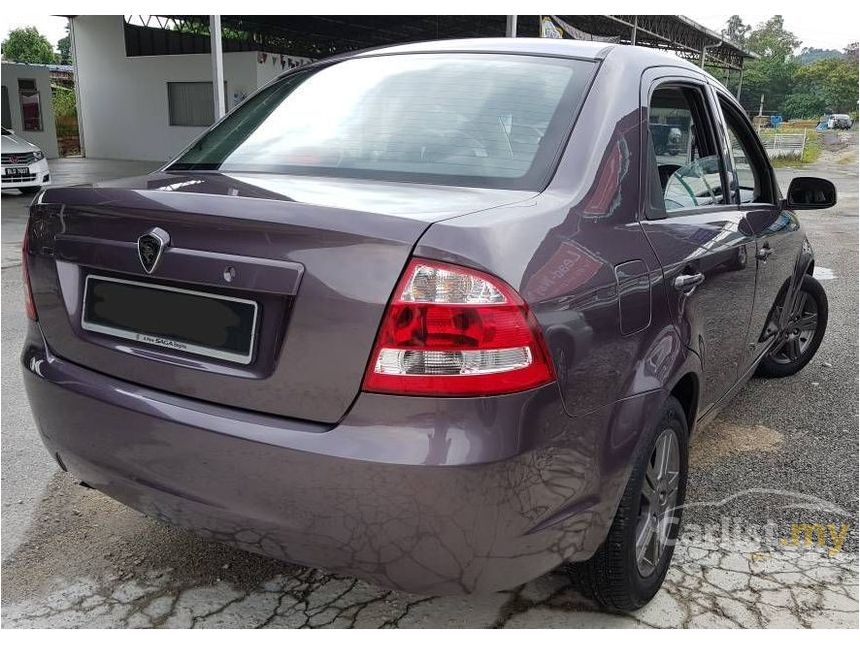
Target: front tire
796 345
629 567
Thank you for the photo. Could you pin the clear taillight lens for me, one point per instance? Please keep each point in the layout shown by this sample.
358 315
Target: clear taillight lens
453 331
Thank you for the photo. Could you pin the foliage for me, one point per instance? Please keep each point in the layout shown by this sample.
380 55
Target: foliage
808 85
65 111
771 39
736 31
828 85
27 45
811 54
64 101
772 73
64 46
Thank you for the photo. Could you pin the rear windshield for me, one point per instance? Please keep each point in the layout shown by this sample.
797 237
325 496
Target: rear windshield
464 119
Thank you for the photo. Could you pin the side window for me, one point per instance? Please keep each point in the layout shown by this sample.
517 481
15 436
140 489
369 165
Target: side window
31 106
7 114
685 165
750 181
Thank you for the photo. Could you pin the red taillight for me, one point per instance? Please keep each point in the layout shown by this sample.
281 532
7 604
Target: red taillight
453 331
29 305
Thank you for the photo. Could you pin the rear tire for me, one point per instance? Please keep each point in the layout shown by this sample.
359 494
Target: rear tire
798 343
620 576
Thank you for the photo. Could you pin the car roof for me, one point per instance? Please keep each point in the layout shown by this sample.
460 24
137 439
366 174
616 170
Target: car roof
637 57
538 46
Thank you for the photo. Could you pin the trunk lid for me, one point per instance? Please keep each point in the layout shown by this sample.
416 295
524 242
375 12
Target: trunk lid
319 256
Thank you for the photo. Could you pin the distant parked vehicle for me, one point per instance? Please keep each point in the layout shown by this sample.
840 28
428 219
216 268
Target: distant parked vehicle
24 164
840 122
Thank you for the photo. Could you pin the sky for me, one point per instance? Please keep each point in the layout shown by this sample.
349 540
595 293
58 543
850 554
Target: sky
815 29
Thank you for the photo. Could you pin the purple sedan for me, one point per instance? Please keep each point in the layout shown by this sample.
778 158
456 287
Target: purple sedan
441 316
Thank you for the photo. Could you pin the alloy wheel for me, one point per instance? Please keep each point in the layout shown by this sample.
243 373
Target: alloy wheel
797 336
659 495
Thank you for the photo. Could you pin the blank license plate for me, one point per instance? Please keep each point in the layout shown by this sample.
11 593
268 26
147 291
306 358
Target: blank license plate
195 322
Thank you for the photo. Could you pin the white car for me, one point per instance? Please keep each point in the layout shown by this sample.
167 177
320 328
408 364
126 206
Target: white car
24 165
840 121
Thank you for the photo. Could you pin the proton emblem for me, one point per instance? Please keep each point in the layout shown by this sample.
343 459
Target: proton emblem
150 248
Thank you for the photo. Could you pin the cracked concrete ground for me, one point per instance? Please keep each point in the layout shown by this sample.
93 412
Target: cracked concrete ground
90 562
74 558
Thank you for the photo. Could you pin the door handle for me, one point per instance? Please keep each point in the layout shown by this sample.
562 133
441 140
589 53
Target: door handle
688 281
764 253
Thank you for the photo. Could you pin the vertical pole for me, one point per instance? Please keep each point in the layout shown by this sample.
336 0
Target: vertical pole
511 27
704 50
217 65
761 105
78 97
740 81
635 27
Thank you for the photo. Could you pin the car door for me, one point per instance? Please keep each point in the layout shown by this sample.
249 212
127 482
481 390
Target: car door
777 231
702 240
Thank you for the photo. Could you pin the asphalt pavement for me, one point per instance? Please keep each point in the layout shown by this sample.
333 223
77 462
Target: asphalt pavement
781 457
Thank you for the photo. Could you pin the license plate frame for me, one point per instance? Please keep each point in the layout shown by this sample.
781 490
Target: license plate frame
165 341
16 171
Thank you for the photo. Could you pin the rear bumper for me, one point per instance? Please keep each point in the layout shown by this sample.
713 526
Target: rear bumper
429 496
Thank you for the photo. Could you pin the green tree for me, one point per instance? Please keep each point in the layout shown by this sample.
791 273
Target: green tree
771 39
736 30
64 49
772 74
812 54
27 45
828 85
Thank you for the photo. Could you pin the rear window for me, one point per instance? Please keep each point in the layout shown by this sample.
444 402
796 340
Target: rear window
465 119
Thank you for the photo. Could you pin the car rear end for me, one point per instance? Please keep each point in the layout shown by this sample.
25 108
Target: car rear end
259 357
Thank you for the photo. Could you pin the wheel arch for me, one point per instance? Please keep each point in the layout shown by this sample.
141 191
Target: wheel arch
686 391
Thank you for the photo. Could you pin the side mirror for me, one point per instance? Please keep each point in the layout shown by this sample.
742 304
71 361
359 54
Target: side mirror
810 193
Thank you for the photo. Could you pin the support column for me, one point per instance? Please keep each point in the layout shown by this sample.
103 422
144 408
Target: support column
217 65
78 96
511 27
633 33
740 81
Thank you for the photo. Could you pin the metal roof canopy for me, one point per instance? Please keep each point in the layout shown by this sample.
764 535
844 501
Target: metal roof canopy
679 34
321 36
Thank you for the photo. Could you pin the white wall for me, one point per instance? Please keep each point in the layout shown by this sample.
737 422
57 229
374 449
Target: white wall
269 66
123 100
46 139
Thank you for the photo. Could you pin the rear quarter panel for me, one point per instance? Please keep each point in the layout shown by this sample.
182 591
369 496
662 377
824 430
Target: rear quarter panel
578 256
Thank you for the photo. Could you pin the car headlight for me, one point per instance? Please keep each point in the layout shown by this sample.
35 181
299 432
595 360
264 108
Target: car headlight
38 155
